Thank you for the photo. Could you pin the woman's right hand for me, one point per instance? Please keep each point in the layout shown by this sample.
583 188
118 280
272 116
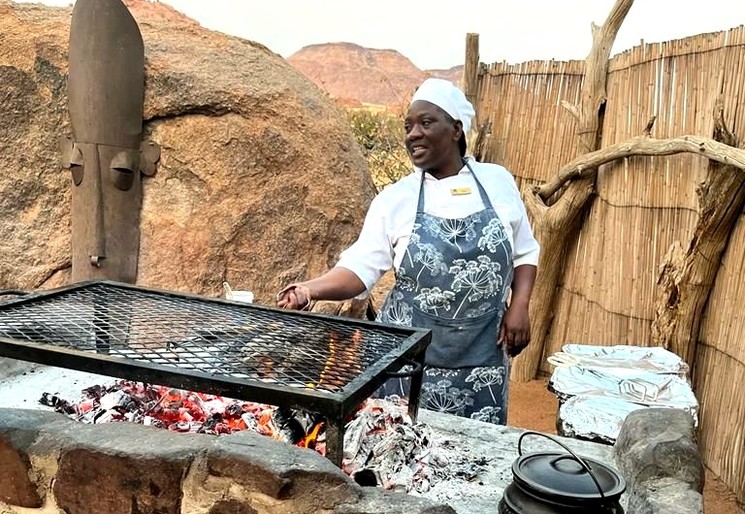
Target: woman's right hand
335 285
294 296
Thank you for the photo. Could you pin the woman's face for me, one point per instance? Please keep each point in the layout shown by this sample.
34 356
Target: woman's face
431 136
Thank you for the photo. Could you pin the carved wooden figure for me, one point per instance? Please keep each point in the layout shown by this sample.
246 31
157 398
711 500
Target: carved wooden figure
106 154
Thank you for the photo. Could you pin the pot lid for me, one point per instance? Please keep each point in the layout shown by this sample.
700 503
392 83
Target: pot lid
562 476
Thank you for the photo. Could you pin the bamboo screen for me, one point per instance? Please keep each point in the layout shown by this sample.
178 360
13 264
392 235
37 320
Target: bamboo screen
720 354
643 206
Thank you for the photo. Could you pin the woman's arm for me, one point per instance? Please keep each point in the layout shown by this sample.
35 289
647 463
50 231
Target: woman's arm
515 330
336 284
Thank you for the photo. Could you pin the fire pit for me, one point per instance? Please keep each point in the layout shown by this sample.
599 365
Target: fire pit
319 363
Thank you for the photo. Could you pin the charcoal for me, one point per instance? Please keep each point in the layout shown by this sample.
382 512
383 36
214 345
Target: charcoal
59 404
288 425
234 409
366 478
95 391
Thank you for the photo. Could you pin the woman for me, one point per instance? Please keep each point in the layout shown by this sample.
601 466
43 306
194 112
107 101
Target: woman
457 235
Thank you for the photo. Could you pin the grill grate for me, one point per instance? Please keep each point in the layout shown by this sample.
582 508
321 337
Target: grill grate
320 363
215 337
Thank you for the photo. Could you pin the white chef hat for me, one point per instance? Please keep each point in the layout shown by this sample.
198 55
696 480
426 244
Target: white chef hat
448 97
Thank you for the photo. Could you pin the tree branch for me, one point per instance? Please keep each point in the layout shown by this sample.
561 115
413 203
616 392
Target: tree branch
594 94
586 165
557 226
721 131
571 108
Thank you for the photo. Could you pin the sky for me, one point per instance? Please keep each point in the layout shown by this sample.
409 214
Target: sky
432 33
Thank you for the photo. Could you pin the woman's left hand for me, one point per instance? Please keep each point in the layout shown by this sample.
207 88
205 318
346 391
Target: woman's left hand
515 329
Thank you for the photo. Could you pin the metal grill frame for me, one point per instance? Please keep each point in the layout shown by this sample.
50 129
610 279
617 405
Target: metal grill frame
334 406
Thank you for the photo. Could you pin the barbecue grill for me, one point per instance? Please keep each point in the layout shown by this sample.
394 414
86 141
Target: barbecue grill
324 364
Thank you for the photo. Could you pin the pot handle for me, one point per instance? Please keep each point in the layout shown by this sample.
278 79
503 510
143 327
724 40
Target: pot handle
571 453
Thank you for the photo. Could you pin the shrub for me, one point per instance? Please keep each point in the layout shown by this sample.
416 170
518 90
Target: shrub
381 136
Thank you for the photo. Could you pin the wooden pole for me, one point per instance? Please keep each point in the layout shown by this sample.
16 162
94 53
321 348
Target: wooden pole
471 68
470 86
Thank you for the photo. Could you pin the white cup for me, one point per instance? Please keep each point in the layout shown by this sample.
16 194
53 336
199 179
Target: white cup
240 296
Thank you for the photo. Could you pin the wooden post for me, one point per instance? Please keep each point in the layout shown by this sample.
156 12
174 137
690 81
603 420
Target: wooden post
470 86
469 82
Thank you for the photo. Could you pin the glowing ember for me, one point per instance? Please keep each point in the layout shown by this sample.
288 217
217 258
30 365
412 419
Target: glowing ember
188 411
311 440
381 444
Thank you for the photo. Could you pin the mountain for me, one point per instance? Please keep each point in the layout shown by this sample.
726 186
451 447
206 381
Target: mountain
355 75
453 74
351 74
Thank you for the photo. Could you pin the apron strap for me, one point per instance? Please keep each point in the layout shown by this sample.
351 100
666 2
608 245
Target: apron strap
482 192
420 202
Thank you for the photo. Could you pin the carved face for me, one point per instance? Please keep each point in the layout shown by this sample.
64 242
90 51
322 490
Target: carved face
431 137
106 155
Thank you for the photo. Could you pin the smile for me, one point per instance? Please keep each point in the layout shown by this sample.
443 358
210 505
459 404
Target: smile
417 150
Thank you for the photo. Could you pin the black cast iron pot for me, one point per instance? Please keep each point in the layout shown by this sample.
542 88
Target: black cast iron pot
561 483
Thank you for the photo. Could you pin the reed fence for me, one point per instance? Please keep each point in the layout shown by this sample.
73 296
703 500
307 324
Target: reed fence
643 206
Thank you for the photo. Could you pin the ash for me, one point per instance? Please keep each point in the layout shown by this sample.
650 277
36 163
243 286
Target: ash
382 446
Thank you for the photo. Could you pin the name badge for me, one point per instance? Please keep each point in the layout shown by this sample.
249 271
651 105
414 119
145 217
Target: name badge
460 191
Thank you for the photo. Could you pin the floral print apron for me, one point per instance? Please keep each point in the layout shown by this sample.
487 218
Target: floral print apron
454 279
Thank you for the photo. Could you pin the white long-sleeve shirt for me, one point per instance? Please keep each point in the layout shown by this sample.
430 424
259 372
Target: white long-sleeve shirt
385 234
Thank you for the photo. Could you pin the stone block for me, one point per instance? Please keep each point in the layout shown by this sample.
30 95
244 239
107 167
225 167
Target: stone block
232 507
656 452
16 487
23 427
94 481
659 443
282 471
12 367
119 467
122 438
19 429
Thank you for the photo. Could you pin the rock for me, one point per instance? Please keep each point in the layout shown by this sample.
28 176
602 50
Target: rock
659 443
231 507
260 181
117 467
92 481
12 367
666 496
15 486
18 431
657 454
293 475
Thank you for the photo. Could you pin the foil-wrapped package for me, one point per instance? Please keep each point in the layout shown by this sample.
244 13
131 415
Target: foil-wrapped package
653 359
595 418
598 386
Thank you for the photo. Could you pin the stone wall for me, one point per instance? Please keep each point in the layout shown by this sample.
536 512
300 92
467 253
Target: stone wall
49 463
